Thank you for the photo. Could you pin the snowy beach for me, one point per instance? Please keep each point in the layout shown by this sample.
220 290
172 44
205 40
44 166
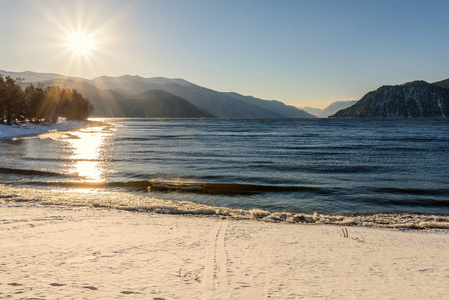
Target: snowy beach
30 129
224 150
62 252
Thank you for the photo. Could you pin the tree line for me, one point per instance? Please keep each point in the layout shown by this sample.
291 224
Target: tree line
38 104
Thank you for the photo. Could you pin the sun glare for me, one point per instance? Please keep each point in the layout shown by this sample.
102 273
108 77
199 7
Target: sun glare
87 153
80 43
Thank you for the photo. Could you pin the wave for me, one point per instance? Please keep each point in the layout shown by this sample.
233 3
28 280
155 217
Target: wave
219 188
229 188
29 172
413 191
198 188
103 199
277 196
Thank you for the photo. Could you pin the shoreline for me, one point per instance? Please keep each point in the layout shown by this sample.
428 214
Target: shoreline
60 251
30 129
126 201
133 201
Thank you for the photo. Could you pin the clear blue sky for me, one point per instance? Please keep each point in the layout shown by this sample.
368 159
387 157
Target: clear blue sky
299 52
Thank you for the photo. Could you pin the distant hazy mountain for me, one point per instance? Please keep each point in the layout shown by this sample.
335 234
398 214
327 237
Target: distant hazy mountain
312 110
217 104
275 106
329 110
162 97
31 76
160 104
417 99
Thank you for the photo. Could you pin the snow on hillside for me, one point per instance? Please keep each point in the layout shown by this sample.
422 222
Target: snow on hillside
417 99
28 129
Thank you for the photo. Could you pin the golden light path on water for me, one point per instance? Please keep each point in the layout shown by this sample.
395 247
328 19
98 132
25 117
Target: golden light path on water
87 151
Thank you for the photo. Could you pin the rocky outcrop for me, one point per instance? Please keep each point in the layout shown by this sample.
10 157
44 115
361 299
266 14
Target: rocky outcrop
417 99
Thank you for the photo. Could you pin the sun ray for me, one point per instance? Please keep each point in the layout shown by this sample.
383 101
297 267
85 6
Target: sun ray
81 39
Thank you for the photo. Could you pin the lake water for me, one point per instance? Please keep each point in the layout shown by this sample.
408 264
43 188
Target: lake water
327 166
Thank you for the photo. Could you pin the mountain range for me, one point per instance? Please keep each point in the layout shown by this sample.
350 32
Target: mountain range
135 96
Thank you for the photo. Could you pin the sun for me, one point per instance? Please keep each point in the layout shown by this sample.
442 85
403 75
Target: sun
80 43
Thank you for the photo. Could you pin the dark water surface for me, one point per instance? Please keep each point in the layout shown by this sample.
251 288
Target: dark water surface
325 166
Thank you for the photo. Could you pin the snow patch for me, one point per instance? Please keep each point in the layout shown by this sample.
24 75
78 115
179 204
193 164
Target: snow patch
29 129
441 108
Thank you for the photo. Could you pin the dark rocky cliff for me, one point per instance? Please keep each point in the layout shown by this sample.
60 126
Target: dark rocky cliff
417 99
443 83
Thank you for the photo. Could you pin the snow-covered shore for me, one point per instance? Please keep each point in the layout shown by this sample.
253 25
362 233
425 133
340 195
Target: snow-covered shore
76 252
29 129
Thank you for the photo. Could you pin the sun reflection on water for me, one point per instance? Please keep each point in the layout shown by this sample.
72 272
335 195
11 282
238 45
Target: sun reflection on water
87 153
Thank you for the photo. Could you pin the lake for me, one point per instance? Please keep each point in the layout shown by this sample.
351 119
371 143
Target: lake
328 166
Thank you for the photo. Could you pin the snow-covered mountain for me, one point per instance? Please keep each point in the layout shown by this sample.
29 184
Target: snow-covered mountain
111 97
329 110
417 99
